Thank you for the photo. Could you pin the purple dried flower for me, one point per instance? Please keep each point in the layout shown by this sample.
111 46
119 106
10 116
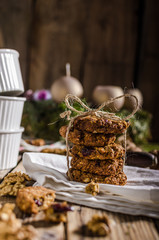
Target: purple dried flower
42 95
29 94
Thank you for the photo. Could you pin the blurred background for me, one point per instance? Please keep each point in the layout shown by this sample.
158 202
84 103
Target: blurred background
106 42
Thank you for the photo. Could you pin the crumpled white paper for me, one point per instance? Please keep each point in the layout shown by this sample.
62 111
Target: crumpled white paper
140 196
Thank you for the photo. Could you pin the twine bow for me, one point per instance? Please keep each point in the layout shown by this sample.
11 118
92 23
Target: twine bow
96 112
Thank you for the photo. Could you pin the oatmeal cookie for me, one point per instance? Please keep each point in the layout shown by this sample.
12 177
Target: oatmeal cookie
8 221
92 188
100 167
34 199
86 177
54 150
11 227
36 142
13 182
57 212
112 151
96 124
86 138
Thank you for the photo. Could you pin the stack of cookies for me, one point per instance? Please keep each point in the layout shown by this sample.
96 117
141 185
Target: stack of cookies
95 155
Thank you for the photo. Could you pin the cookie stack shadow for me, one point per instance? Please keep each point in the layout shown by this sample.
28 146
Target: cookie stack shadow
95 155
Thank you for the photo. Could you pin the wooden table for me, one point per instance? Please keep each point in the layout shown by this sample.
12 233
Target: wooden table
126 226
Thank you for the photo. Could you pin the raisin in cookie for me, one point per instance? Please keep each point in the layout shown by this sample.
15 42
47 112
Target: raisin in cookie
112 151
57 212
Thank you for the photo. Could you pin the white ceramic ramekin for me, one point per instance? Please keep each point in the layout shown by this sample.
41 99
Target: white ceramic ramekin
9 148
11 83
11 109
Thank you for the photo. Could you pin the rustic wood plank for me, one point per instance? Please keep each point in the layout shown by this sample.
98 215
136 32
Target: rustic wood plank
111 41
57 39
126 226
99 41
149 63
77 219
15 21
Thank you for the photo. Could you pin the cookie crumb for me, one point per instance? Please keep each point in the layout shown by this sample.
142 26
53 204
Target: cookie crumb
92 188
57 212
99 225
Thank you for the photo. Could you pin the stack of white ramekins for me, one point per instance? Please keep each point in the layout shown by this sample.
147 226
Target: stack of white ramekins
11 108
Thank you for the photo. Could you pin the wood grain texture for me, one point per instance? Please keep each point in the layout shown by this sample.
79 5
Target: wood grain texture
148 80
15 18
106 42
98 40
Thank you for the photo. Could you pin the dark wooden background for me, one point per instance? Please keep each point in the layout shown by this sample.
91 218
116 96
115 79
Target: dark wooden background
107 42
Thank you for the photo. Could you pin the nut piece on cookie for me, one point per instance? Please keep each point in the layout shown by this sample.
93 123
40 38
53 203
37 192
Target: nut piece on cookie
99 225
92 188
13 182
34 199
57 212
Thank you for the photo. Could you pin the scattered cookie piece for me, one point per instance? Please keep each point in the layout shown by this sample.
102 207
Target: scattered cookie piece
13 182
92 188
11 228
36 142
54 150
34 199
9 224
57 212
99 225
27 233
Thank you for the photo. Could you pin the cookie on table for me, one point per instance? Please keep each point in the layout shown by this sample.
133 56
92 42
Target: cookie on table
100 167
36 142
96 124
11 227
86 138
13 182
57 212
92 188
54 150
86 177
112 151
34 199
99 226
